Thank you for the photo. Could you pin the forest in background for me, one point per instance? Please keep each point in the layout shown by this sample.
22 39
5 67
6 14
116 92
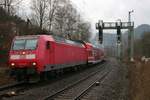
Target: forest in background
57 17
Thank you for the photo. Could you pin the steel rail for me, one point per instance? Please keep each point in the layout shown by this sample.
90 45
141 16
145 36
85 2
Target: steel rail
88 88
11 86
71 85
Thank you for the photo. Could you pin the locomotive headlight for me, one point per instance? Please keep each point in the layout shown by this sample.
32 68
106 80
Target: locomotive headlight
12 64
33 63
23 53
30 56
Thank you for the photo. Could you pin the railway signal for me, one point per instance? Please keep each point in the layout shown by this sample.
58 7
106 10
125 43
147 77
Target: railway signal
99 26
118 25
118 34
101 35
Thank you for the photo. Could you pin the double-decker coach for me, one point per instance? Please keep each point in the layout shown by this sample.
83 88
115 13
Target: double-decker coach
95 53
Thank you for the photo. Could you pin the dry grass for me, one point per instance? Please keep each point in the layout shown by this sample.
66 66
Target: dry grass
140 81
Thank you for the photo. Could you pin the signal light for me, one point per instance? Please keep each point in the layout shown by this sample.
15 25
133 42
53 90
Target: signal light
118 30
118 38
100 26
118 34
101 35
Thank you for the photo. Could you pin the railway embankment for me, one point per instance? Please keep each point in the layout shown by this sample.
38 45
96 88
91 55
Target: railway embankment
115 86
139 76
4 75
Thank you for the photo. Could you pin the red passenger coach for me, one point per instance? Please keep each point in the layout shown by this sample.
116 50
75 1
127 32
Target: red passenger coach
89 49
98 53
95 53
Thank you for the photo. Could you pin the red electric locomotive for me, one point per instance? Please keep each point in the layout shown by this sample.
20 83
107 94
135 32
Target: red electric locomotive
43 53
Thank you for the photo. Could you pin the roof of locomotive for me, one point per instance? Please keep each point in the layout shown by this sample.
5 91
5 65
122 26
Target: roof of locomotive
67 41
26 36
48 37
53 38
59 39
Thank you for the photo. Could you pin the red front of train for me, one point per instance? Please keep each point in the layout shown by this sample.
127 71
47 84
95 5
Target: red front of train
26 53
44 53
41 53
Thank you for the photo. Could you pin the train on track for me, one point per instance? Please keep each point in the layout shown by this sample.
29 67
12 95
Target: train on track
47 53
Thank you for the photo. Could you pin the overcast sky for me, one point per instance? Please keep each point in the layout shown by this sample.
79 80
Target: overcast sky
111 10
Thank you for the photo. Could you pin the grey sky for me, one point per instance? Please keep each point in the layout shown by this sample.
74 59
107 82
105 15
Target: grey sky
109 10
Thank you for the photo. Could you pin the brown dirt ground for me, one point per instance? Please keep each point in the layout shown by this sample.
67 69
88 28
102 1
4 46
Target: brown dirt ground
4 75
139 75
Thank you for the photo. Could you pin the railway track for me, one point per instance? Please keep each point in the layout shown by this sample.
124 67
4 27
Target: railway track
79 97
11 89
14 89
10 86
78 89
19 90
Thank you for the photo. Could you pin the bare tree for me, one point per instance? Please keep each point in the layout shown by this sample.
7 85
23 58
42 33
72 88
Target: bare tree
71 19
68 22
52 8
60 19
84 30
10 5
65 18
39 8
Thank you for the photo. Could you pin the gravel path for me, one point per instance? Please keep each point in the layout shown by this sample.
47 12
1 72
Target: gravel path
114 87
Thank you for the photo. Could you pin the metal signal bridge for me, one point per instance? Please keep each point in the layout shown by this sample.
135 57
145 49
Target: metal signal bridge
118 25
113 25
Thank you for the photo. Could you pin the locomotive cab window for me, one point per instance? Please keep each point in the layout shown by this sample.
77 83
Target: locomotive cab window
47 44
24 44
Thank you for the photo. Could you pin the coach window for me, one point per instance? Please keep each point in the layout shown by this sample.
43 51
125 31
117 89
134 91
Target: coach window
47 44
